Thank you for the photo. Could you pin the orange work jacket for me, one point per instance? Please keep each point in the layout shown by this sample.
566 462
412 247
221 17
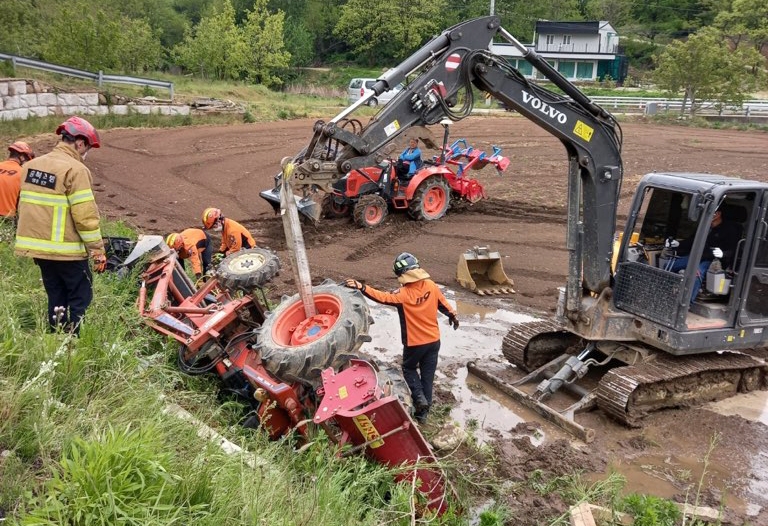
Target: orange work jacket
417 305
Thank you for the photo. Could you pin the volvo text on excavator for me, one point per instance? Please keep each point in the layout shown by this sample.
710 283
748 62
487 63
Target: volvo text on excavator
621 304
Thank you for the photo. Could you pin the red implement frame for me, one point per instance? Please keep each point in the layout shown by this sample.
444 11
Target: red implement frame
216 327
381 427
216 330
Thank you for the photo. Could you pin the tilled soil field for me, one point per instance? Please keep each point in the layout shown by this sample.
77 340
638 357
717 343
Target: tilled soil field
160 180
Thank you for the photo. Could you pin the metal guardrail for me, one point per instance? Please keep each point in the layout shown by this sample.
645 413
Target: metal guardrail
650 105
99 77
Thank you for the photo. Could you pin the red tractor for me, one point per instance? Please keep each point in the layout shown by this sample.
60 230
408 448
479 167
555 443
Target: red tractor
290 370
367 194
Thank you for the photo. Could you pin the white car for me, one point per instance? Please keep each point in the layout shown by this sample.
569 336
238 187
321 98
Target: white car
359 87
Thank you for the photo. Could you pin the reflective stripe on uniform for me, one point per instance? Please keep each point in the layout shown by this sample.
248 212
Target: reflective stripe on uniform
30 243
37 198
90 235
81 196
58 223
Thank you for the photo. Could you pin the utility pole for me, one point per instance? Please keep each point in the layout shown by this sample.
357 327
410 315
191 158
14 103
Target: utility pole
493 2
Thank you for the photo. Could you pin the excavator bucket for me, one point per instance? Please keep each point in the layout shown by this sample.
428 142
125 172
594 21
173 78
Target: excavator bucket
305 205
481 271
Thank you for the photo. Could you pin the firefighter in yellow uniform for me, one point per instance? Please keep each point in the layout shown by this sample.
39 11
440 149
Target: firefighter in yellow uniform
234 236
418 301
59 223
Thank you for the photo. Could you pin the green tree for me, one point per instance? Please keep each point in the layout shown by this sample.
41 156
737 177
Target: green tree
381 31
215 48
519 16
263 34
704 68
21 28
139 47
320 18
617 12
745 21
299 42
83 35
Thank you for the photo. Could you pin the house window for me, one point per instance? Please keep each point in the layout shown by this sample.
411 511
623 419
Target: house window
566 40
550 39
524 67
584 70
567 68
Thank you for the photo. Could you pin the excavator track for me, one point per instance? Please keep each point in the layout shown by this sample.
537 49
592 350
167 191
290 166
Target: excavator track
630 392
532 344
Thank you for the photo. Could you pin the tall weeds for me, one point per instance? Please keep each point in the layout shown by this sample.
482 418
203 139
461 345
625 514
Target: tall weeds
84 438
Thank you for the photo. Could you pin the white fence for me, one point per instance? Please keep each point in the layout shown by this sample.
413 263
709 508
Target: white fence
99 77
652 106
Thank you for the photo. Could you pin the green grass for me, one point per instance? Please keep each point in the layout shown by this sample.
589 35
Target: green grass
85 438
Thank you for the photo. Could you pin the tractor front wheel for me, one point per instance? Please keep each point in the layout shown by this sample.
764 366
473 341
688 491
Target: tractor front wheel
297 349
431 199
370 211
334 207
247 269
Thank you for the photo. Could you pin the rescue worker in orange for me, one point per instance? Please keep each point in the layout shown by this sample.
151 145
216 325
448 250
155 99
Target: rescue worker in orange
195 245
59 223
418 302
10 178
234 236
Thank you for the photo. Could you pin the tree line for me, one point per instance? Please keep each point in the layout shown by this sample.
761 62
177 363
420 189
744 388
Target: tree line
261 40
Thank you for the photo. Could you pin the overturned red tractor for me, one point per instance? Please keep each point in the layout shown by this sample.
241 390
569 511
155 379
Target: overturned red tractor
292 371
369 193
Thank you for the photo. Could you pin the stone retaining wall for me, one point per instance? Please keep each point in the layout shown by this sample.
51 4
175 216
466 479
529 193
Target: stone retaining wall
22 99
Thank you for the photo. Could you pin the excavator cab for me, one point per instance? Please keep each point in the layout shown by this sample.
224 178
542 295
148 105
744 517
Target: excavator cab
695 296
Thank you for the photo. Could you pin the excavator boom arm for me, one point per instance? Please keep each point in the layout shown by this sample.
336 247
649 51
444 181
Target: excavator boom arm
442 75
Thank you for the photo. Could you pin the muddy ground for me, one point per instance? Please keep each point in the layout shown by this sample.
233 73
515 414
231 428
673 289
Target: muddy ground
161 180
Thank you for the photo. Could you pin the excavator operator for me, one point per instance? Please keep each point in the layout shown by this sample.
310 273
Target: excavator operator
195 245
234 236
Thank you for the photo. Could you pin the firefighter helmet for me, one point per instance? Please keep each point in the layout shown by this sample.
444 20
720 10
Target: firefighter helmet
210 216
405 262
175 241
22 148
79 127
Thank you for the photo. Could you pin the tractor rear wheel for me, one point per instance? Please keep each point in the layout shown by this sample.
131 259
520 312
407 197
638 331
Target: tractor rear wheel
370 211
431 199
247 269
334 207
296 349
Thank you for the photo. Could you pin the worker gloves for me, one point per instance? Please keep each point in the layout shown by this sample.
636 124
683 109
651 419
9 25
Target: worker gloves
354 284
99 261
453 321
717 253
671 243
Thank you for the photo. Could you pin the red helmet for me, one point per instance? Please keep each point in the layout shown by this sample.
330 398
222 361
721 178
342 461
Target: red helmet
79 127
175 241
23 148
210 216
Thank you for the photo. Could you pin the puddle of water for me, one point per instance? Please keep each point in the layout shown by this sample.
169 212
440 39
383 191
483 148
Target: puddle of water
671 477
750 406
479 406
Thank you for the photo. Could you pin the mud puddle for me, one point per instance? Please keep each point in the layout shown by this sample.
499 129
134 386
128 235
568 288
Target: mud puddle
670 464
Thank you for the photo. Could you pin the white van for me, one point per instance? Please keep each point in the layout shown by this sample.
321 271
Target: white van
359 87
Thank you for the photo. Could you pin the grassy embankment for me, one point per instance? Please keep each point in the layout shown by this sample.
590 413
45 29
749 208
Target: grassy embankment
86 438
